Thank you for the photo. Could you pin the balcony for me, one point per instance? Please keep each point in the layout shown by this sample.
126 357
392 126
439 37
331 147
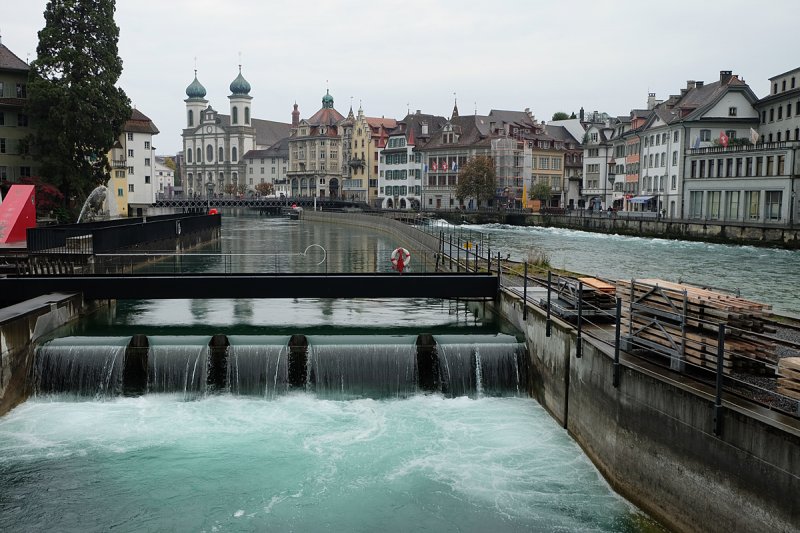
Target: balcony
356 163
735 148
119 164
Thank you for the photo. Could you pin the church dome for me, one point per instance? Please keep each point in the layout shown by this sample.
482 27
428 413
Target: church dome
195 89
240 85
327 100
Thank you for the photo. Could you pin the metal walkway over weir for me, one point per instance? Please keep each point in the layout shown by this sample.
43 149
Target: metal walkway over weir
204 286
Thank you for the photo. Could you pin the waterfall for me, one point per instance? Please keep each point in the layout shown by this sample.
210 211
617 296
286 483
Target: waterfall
478 365
178 365
81 367
258 365
351 366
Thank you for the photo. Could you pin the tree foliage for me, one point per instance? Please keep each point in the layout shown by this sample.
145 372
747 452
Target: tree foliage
48 197
170 164
477 179
541 191
560 115
265 189
76 108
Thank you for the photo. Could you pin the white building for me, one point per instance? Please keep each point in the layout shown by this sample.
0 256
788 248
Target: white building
164 179
597 153
139 157
269 166
214 143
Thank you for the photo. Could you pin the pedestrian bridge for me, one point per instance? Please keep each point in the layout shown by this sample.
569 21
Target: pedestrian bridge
227 285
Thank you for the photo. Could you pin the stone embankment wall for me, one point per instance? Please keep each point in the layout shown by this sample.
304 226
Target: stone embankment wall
653 440
706 231
20 326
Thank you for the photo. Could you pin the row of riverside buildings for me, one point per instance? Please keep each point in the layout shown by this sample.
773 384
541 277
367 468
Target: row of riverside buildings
714 151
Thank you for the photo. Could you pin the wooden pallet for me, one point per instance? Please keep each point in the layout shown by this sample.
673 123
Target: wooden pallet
688 323
789 377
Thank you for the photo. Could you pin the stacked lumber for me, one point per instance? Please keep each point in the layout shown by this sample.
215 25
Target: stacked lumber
789 377
683 319
594 292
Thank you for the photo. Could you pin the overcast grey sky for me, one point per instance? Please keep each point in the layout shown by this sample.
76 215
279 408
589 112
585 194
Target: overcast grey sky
546 55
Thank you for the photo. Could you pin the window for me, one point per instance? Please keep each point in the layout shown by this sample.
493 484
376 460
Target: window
22 120
221 154
130 136
2 119
544 163
235 115
120 191
130 187
199 155
705 135
780 112
2 89
731 111
190 118
696 204
713 199
147 161
147 179
674 184
189 156
732 206
772 114
593 152
2 146
25 172
209 153
247 115
130 153
789 110
751 200
262 170
147 145
130 170
22 90
772 201
764 117
273 170
658 140
675 136
675 157
234 155
664 138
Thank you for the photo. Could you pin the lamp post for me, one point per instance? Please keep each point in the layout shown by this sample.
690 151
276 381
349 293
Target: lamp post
209 190
508 197
611 179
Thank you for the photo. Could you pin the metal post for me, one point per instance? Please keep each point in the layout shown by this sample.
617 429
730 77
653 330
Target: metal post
548 328
450 255
579 346
616 342
525 294
458 255
489 261
718 399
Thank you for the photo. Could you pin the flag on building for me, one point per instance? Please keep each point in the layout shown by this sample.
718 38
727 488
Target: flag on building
753 136
425 168
433 165
723 139
454 166
696 142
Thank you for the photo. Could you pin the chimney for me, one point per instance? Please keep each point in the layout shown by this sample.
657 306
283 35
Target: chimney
690 84
581 114
725 76
699 83
419 111
651 101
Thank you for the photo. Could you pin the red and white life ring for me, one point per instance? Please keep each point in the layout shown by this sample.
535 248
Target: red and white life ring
398 253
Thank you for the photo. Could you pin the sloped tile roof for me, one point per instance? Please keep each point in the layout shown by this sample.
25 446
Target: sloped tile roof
10 61
139 123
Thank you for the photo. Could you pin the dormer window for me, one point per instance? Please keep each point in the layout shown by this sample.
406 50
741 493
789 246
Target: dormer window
322 130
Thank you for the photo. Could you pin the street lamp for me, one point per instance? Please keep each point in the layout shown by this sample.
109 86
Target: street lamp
508 201
611 177
209 190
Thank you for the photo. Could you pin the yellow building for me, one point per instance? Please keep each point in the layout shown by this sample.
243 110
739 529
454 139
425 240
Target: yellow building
548 165
118 182
367 136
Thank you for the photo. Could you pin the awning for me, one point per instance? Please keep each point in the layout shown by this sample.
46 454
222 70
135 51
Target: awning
640 199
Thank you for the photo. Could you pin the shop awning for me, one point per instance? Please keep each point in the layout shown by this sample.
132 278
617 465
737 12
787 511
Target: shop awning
640 199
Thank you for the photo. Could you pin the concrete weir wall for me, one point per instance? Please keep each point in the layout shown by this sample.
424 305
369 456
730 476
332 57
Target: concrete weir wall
20 326
652 438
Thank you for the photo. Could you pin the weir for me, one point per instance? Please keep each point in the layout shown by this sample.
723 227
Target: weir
267 366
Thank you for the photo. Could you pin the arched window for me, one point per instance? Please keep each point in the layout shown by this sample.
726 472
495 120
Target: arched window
209 153
235 115
189 176
189 155
234 156
190 118
221 156
247 115
199 155
234 177
221 177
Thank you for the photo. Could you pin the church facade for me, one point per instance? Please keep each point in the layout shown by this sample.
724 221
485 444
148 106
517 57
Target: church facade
214 144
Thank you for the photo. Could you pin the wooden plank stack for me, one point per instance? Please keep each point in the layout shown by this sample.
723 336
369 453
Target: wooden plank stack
789 377
595 293
700 311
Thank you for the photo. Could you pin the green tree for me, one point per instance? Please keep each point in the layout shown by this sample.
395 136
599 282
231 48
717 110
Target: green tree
477 179
560 115
541 191
170 164
73 101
